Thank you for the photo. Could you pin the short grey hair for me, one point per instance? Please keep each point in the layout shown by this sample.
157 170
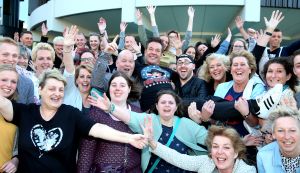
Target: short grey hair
58 39
282 111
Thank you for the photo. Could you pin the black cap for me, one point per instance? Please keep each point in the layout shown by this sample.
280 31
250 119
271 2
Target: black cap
185 56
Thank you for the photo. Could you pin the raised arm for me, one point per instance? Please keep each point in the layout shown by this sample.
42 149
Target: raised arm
151 9
6 108
44 37
225 44
271 24
239 22
102 29
98 75
141 29
69 41
123 26
188 33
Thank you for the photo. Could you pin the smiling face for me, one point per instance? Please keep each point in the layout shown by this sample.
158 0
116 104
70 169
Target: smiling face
43 61
26 39
119 90
275 40
125 62
276 74
165 41
166 106
153 53
217 69
80 41
87 58
9 54
191 51
287 133
8 83
222 153
129 41
94 42
240 70
83 81
58 47
52 93
296 65
185 68
238 46
23 61
201 49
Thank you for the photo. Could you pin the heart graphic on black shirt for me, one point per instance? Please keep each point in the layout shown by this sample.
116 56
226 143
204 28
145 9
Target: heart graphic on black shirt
45 140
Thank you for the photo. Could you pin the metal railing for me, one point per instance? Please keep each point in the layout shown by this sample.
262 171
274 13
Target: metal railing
281 3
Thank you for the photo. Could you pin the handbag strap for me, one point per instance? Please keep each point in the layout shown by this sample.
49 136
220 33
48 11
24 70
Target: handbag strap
168 144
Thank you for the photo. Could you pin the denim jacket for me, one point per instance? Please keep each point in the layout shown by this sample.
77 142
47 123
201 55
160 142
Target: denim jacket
269 159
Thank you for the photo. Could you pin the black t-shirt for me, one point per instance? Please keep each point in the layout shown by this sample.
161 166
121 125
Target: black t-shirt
49 146
154 78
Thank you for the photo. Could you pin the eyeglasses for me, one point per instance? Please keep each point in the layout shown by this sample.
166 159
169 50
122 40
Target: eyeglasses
238 46
86 59
180 63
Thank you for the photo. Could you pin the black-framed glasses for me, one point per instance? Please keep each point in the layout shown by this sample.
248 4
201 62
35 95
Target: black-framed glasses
180 63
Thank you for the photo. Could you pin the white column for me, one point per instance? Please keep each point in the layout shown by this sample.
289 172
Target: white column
251 11
128 10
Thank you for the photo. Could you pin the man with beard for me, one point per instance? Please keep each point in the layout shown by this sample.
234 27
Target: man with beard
189 87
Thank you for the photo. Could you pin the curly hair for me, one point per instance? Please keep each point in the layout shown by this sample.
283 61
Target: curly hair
204 70
229 133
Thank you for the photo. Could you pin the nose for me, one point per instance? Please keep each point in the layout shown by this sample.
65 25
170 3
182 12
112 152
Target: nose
8 83
10 58
273 74
220 150
286 135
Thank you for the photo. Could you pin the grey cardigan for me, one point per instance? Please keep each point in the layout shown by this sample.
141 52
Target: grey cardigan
200 164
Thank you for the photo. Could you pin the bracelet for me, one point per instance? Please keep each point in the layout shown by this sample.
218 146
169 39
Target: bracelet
205 120
68 51
246 116
102 35
268 33
111 108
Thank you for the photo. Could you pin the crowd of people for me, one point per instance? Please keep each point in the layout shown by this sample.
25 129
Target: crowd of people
160 104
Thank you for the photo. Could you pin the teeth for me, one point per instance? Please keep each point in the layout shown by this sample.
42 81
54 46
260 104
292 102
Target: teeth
6 90
221 159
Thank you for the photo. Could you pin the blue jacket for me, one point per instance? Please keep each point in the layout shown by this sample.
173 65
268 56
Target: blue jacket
269 159
254 88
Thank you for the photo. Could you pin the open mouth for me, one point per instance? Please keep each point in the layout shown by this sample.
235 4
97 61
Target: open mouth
55 99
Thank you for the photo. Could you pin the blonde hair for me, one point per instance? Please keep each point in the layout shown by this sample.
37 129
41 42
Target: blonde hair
282 111
250 59
51 73
204 70
8 41
42 46
9 67
89 68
